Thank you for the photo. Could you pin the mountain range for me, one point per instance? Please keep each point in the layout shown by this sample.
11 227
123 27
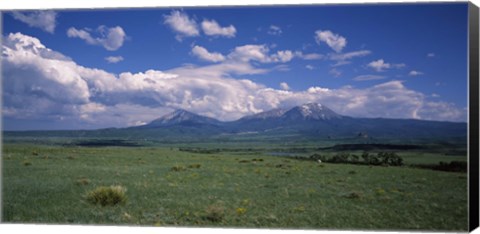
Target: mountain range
310 119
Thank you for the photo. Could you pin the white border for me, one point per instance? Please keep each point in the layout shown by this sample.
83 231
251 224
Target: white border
89 4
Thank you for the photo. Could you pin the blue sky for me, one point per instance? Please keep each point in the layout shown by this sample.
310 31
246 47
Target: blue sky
87 69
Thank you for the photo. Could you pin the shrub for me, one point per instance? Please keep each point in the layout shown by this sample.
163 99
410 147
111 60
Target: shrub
390 159
353 195
241 210
27 163
178 168
316 157
194 166
453 166
107 196
215 213
83 181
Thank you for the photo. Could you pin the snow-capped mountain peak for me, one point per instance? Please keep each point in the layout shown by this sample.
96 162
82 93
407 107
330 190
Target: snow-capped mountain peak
182 116
311 111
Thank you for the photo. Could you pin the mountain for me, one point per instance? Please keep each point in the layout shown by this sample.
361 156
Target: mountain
311 111
271 114
311 121
182 117
307 120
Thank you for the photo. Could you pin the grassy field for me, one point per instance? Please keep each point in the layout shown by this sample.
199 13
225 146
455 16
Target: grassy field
168 187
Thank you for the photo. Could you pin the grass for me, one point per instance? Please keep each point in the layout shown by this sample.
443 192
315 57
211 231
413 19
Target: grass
233 189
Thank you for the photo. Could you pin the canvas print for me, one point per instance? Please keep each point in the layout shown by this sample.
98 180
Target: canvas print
345 117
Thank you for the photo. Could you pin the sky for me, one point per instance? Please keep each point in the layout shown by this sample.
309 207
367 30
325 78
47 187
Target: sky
88 69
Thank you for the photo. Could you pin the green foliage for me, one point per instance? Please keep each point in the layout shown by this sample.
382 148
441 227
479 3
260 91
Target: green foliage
381 158
107 196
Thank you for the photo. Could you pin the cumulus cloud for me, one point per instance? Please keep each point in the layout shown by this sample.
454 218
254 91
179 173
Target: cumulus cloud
380 65
114 59
260 53
309 67
212 28
282 56
110 38
415 73
45 20
334 41
274 30
41 83
431 55
182 24
284 86
204 54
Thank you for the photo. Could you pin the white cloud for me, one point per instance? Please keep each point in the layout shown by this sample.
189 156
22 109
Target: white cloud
343 58
45 20
334 72
260 53
39 83
380 65
250 52
282 56
368 77
212 28
274 30
182 24
431 55
203 54
311 56
110 38
349 55
114 59
284 86
309 67
415 73
334 41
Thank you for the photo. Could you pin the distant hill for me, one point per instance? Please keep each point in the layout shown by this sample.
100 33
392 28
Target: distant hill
181 117
310 119
307 121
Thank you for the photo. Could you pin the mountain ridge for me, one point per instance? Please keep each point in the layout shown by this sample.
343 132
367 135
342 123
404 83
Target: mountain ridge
307 120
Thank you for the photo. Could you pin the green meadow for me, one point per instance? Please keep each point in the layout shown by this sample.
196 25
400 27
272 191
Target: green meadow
167 186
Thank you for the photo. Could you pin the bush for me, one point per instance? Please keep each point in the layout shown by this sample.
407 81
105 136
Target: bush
454 166
194 166
107 196
178 168
381 158
215 213
83 181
